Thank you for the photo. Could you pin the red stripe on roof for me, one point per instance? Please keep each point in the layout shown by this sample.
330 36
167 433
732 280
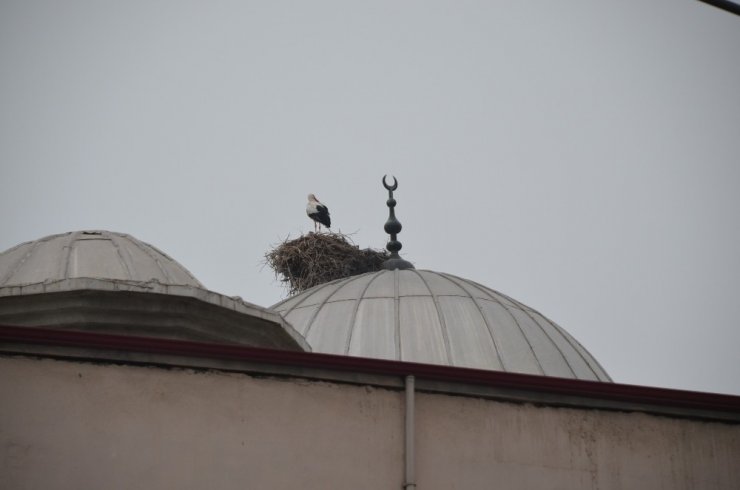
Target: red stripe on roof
498 379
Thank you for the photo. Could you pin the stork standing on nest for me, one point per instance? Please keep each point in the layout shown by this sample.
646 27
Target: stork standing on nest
318 212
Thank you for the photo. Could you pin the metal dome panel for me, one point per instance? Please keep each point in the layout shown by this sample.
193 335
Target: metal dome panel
422 335
430 317
374 334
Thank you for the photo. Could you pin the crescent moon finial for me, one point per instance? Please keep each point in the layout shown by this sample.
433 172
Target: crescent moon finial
390 187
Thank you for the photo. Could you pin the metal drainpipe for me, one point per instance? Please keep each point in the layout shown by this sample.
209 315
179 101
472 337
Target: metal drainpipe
410 478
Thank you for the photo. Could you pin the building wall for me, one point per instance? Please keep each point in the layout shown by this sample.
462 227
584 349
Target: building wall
474 443
66 425
73 425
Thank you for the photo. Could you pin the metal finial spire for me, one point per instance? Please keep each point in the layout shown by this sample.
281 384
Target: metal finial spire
393 227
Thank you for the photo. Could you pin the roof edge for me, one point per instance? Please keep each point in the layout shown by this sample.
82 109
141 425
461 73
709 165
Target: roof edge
508 386
88 301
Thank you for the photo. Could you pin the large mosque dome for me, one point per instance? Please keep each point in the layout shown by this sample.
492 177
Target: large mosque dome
431 317
423 316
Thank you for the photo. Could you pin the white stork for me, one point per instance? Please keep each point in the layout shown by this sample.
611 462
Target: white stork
318 212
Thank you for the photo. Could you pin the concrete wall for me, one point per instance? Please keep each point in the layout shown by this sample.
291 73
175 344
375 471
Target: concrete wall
77 426
473 443
73 425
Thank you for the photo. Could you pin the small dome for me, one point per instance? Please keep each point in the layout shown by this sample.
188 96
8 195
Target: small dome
90 254
107 282
430 317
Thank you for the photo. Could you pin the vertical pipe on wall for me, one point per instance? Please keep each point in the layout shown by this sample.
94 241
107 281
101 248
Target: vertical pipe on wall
409 477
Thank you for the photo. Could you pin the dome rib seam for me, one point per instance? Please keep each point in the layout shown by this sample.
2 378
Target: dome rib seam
516 322
308 294
129 270
68 256
568 339
181 267
526 310
582 352
11 272
338 286
552 342
356 308
454 279
440 316
147 250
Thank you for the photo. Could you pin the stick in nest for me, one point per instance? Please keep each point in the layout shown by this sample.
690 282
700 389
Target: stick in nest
316 258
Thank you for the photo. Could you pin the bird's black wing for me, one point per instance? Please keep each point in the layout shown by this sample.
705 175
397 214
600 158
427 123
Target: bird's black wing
323 215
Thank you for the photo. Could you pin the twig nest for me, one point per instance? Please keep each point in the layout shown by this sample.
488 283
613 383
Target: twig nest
316 258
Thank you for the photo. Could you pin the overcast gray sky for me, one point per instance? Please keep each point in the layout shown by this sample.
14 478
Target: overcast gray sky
579 156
